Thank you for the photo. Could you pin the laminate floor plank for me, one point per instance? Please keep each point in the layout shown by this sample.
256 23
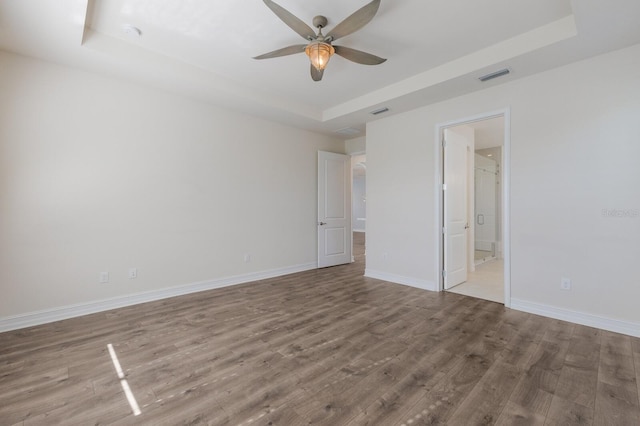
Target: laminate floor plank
574 398
458 384
438 404
42 398
85 409
257 389
516 414
520 350
322 347
485 402
396 405
617 392
636 358
540 369
563 412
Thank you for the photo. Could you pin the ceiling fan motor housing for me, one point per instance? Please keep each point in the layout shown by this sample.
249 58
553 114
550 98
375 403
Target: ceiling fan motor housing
320 21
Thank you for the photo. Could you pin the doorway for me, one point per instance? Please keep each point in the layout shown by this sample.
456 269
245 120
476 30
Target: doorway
359 203
473 205
359 192
487 200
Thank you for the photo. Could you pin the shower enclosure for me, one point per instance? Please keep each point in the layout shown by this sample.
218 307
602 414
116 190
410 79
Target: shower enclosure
486 207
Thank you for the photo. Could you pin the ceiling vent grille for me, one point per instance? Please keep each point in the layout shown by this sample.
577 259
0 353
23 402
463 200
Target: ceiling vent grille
348 131
380 111
494 74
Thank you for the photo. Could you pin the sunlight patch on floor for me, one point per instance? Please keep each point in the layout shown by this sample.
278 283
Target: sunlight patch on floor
125 385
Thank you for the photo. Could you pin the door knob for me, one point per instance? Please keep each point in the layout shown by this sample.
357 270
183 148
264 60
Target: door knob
322 223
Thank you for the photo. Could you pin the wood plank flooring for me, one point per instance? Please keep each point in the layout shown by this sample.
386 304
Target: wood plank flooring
323 347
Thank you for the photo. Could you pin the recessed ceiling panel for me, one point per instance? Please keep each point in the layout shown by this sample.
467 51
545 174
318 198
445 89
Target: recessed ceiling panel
223 36
203 49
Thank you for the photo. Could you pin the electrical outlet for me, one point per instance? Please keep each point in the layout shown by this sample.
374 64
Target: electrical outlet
385 256
247 258
565 284
104 277
133 273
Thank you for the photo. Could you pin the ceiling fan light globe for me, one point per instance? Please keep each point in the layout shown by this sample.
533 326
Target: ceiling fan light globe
319 54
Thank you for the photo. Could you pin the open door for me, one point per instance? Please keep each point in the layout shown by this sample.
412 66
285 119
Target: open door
334 209
455 208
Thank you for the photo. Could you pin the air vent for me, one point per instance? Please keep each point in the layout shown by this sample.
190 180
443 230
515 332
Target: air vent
348 131
131 31
380 111
495 74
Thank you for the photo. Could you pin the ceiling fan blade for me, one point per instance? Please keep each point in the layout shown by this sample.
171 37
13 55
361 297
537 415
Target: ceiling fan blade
289 50
358 56
357 20
291 20
316 74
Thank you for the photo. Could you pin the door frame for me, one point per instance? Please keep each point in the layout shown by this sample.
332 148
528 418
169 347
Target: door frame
506 198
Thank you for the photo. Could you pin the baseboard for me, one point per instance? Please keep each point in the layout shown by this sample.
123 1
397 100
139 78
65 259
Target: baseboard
72 311
398 279
617 326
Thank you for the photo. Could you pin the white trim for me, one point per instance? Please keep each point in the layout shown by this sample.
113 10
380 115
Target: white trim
399 279
506 207
359 230
71 311
618 326
506 197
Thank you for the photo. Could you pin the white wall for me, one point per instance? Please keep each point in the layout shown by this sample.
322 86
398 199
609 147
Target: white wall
356 146
575 145
98 174
400 195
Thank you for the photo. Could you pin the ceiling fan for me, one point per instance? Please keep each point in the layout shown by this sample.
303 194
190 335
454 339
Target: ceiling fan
320 48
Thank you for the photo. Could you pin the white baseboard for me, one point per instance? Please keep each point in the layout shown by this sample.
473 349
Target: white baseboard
71 311
398 279
618 326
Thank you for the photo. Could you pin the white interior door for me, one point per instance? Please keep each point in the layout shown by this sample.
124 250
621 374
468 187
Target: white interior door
455 209
334 209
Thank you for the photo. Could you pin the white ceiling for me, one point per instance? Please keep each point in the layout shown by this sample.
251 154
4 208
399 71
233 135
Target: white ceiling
204 49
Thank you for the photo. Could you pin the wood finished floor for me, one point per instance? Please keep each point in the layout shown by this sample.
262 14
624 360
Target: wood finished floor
324 347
